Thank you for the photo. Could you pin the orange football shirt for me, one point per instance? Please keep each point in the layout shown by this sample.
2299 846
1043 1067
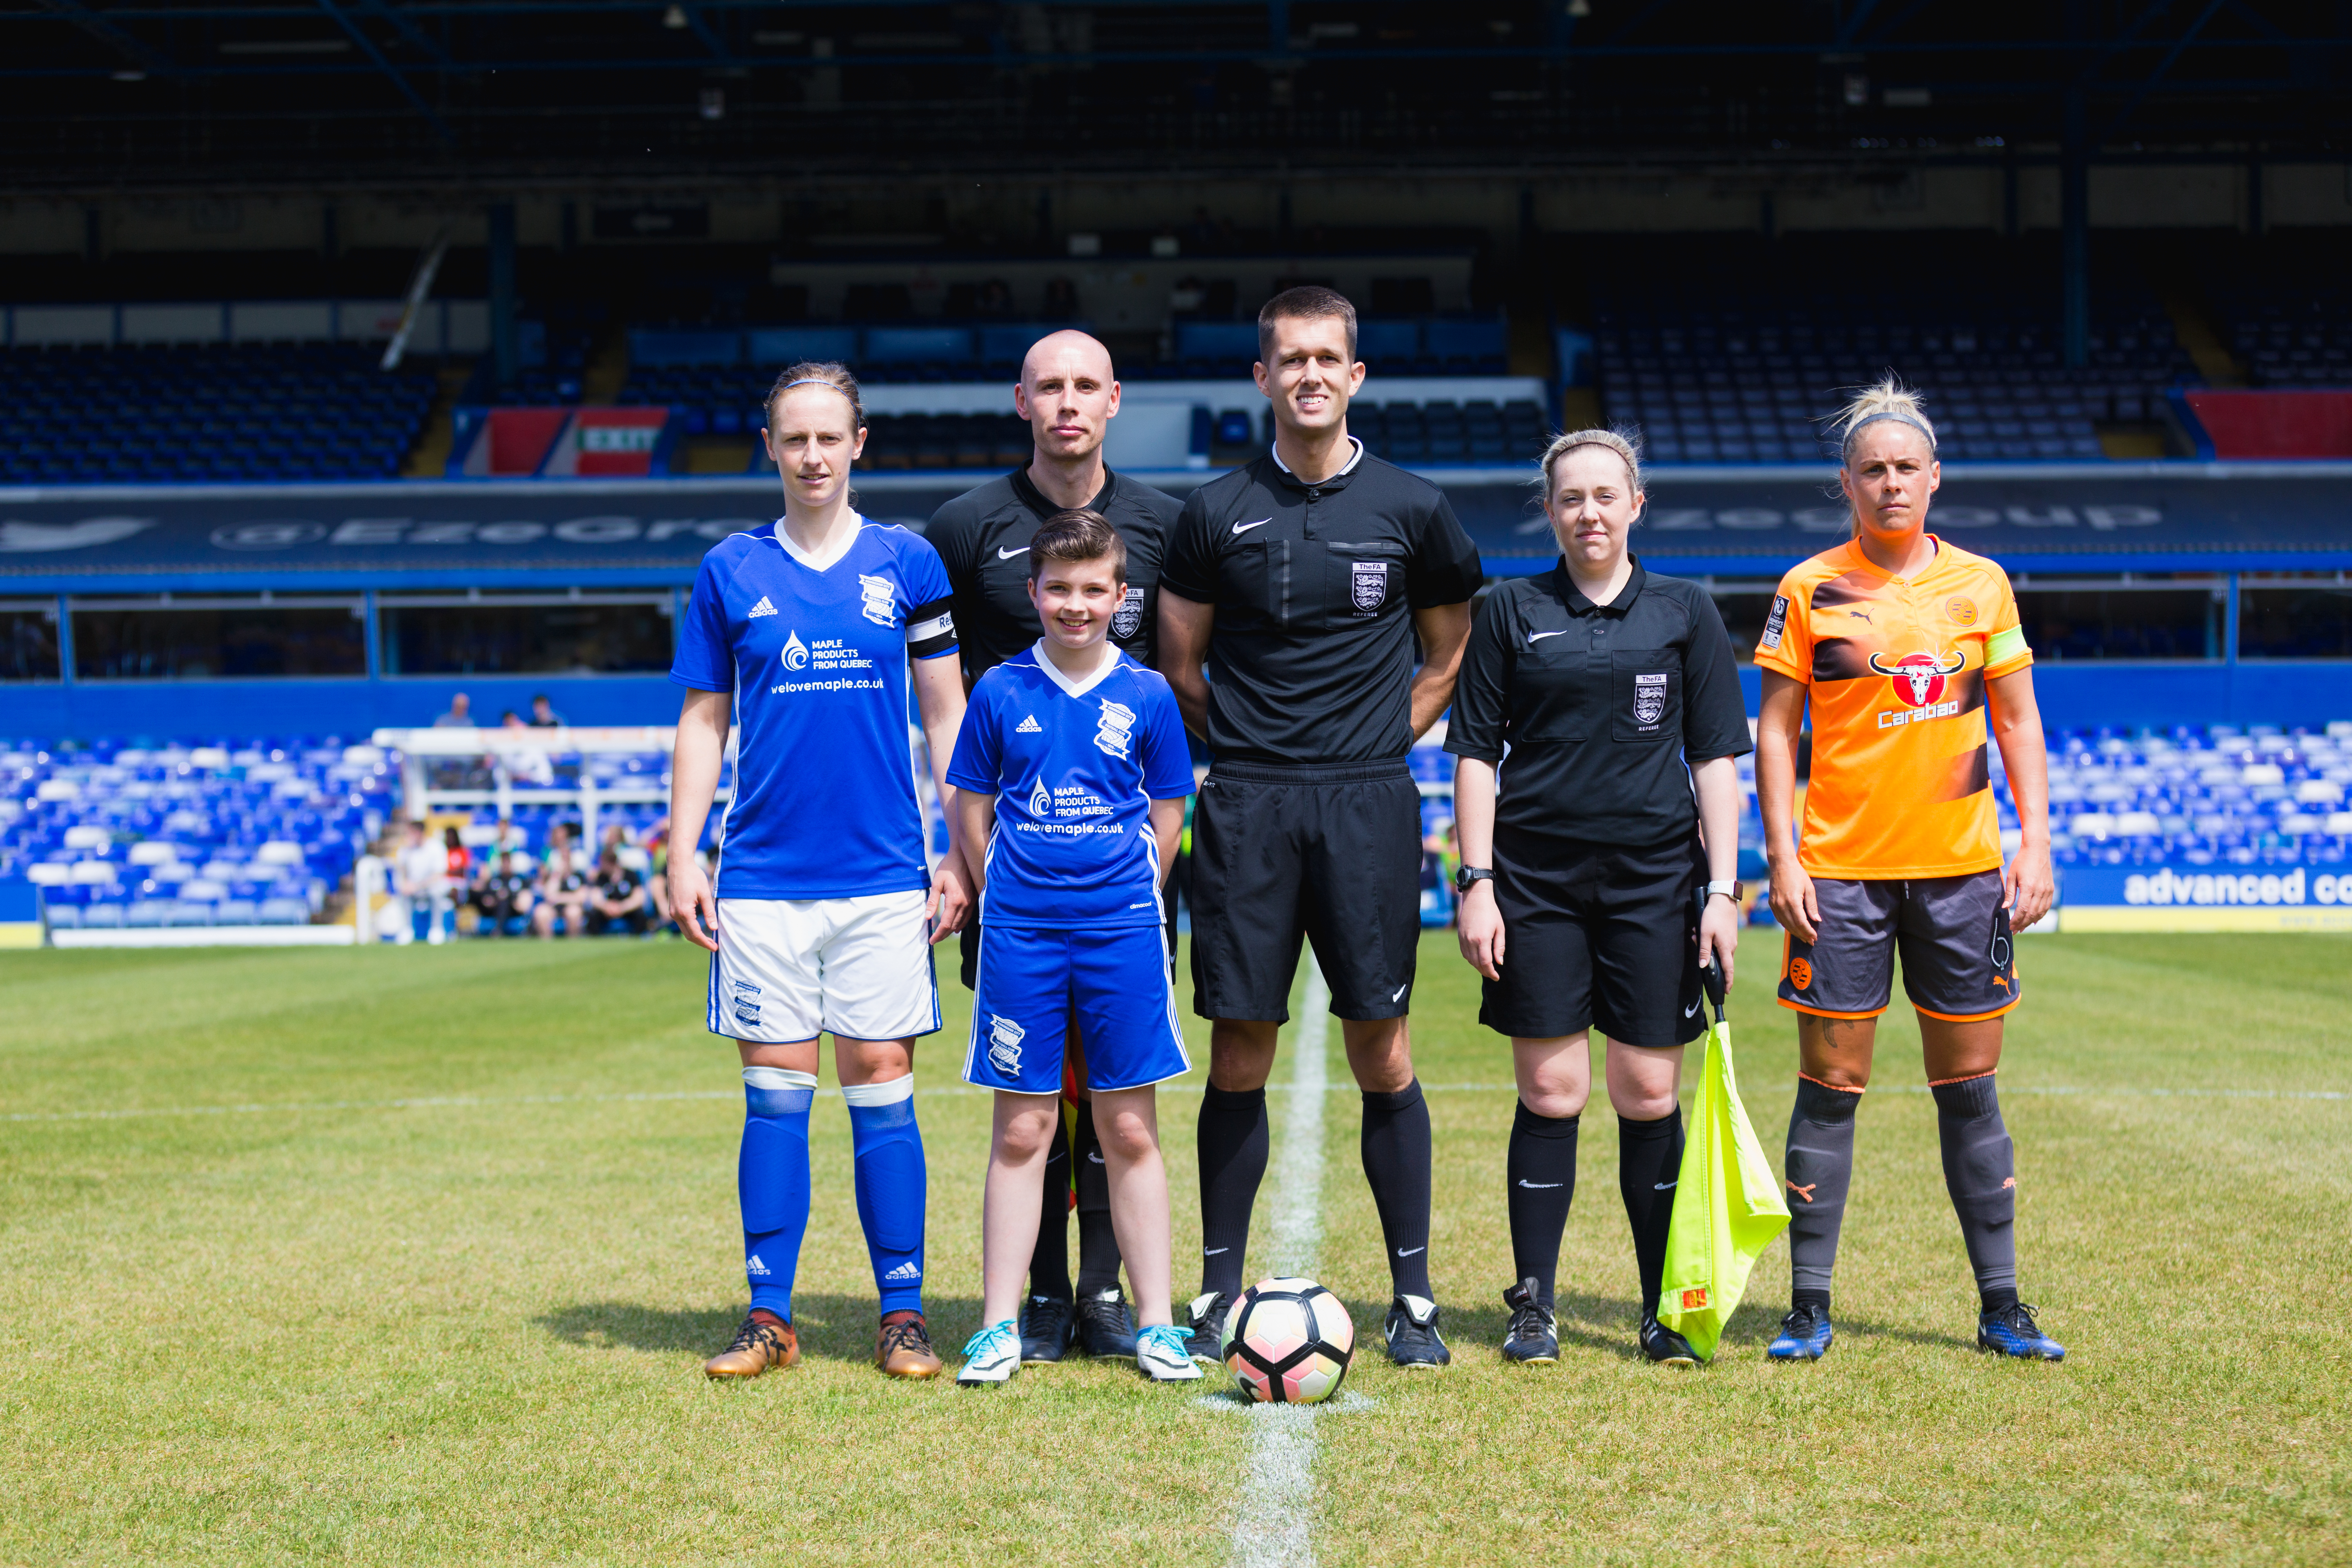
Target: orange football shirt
1896 669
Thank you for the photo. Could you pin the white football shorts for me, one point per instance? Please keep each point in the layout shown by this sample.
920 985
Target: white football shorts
791 969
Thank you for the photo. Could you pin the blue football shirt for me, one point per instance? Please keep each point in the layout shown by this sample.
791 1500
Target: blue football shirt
815 652
1075 768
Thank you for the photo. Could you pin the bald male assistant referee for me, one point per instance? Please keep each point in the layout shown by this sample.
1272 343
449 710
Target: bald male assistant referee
1303 580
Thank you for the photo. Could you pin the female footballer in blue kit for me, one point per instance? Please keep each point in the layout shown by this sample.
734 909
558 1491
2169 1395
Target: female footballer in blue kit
806 632
1073 770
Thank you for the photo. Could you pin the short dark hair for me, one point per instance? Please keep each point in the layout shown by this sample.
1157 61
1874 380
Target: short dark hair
1308 302
1077 534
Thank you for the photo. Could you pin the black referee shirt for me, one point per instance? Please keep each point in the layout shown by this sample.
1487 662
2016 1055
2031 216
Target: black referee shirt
984 537
1599 705
1314 585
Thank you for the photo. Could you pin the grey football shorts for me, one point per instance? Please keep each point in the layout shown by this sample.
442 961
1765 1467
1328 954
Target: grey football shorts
1960 962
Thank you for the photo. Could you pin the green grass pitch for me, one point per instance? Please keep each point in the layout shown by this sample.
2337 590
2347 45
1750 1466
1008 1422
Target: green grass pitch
411 1257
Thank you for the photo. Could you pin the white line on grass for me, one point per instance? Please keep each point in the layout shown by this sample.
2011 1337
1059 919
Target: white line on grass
1316 1093
1275 1527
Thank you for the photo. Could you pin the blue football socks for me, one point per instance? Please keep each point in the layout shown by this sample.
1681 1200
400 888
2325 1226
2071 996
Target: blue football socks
772 1179
890 1187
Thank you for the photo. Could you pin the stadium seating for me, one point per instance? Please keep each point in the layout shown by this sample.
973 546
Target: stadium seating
2262 795
162 416
226 832
1735 353
2290 338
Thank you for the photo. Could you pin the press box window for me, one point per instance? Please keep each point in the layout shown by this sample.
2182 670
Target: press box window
169 638
2296 620
526 634
2075 621
29 640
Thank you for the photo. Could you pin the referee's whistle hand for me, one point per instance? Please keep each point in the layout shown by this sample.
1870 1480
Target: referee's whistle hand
1479 929
1719 937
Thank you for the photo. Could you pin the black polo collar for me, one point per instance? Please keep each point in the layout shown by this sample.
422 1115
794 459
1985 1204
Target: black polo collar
1329 482
1578 604
1044 506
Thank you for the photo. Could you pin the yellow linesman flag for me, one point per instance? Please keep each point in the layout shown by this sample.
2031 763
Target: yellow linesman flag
1728 1202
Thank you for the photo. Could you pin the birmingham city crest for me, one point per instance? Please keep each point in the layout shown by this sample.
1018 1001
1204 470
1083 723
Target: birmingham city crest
1004 1044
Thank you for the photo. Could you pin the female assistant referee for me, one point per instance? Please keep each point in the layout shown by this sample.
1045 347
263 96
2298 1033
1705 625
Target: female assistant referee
1617 697
1905 646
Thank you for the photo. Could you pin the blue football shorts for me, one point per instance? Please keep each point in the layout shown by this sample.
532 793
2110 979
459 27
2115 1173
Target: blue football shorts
1034 981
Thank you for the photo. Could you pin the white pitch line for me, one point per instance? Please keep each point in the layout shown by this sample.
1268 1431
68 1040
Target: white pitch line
1275 1525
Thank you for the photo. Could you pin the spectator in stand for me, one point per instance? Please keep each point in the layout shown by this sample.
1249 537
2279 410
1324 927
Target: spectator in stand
460 715
656 853
505 896
562 890
543 715
524 764
616 898
419 882
456 874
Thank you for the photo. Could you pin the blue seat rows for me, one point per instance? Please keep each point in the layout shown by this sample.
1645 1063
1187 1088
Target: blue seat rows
224 832
176 416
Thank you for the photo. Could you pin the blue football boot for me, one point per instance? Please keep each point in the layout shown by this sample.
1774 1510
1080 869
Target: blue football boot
1805 1334
2010 1330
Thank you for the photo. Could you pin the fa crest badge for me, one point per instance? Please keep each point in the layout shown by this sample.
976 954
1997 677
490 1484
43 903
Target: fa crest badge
1649 698
1368 586
1128 616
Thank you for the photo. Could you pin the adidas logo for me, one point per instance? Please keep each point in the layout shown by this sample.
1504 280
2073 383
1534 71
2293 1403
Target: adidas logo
762 608
1029 726
752 1266
906 1270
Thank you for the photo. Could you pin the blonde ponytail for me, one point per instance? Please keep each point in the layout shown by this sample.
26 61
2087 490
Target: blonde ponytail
1889 399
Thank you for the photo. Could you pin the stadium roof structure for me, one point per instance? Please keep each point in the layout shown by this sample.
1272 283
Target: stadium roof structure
426 92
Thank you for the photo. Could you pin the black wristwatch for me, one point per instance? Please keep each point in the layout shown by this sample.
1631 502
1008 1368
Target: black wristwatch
1469 873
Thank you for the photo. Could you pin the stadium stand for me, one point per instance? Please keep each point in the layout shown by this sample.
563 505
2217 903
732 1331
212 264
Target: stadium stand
218 833
182 414
1744 371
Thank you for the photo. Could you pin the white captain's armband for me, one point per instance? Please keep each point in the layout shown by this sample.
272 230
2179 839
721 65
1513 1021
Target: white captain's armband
931 629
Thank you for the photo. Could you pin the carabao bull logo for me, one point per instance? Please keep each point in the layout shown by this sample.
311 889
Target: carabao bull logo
1918 678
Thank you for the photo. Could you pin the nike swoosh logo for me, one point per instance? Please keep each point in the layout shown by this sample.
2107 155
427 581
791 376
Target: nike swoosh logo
1663 1186
1246 527
1004 554
1398 990
1212 1251
1539 1186
1409 1251
1538 636
1691 1009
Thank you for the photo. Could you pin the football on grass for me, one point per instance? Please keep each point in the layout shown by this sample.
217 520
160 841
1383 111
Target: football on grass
1288 1341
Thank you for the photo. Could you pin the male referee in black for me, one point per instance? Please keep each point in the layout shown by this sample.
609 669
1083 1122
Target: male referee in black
1068 394
1304 578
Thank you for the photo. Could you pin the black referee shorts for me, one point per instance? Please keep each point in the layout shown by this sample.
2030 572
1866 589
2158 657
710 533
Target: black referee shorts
1605 938
968 938
1331 854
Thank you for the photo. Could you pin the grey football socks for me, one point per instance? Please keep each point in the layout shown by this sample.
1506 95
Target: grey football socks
1981 1172
1820 1167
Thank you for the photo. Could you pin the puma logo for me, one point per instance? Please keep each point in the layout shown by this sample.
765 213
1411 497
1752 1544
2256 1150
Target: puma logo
1805 1192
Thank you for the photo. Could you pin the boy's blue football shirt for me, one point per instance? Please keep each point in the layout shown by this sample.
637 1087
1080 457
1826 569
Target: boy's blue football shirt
815 652
1075 766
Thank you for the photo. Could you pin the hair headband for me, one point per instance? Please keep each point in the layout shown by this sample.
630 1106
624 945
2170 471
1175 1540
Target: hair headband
820 381
1855 429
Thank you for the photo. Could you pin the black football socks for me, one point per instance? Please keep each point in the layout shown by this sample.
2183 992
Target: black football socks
1820 1167
1097 1245
1981 1172
1540 1179
1049 1265
1232 1143
1649 1163
1396 1152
